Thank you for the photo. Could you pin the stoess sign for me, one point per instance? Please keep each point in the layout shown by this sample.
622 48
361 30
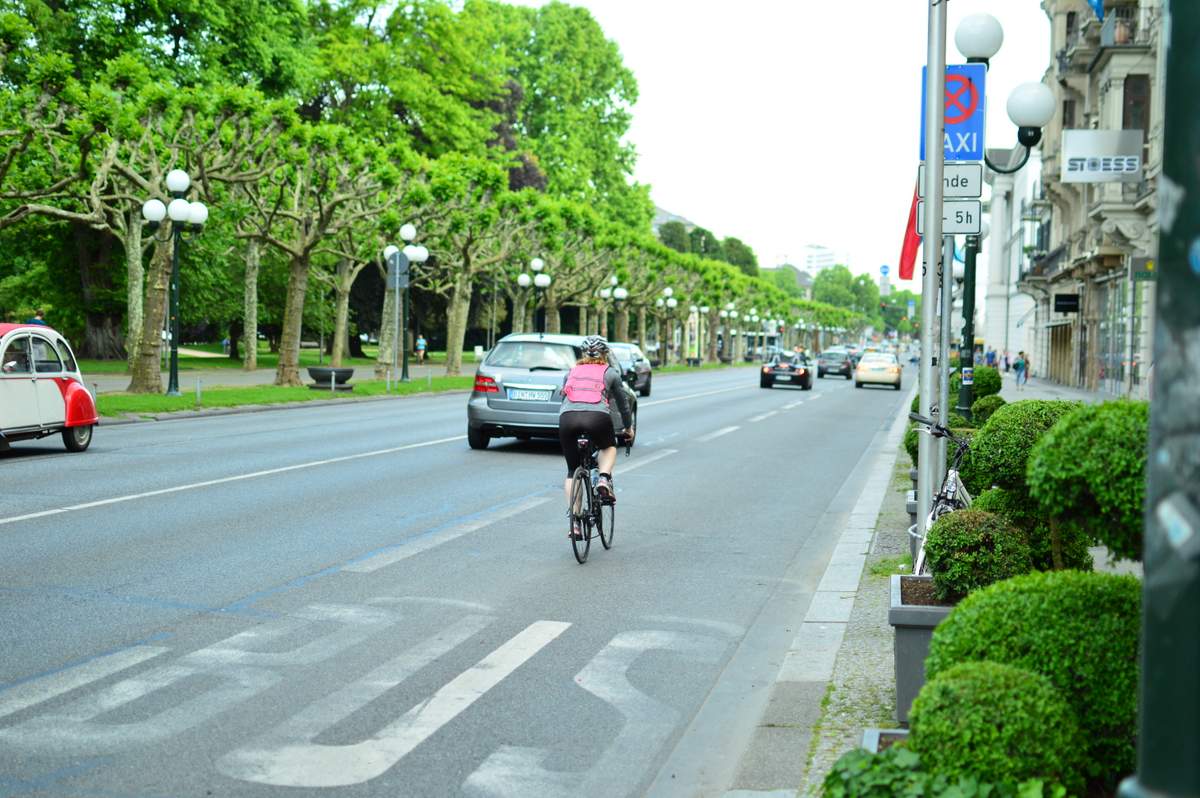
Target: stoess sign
1102 156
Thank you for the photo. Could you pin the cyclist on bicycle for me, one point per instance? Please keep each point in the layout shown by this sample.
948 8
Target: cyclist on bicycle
591 388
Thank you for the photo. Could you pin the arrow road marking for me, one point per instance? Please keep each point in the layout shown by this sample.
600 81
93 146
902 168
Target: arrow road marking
25 695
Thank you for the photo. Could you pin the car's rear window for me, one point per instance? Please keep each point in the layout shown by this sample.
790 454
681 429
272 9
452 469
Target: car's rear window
532 355
834 354
878 357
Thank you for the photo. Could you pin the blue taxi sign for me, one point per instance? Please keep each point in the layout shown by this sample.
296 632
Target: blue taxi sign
966 107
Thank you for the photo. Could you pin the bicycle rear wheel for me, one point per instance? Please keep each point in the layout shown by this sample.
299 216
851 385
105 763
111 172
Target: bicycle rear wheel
581 514
606 521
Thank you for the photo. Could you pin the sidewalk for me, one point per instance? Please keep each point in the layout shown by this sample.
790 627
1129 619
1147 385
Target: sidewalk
1038 388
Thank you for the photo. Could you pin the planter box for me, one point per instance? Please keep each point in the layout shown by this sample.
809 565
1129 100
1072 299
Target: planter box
912 474
910 504
321 378
913 624
872 738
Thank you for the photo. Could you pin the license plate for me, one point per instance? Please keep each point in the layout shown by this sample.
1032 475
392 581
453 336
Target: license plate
525 395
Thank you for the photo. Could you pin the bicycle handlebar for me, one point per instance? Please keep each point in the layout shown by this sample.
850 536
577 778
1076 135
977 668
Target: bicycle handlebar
920 419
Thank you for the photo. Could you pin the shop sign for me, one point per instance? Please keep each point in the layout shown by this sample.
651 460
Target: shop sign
1102 156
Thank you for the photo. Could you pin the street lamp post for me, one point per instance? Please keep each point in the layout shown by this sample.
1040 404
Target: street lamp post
524 281
966 393
399 263
620 316
184 215
541 281
672 303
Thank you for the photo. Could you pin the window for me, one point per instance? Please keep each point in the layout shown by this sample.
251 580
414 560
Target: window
1136 113
16 357
67 358
1072 26
45 359
1068 114
533 355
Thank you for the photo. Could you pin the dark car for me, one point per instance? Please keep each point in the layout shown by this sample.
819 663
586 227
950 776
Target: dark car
787 369
635 366
518 388
835 361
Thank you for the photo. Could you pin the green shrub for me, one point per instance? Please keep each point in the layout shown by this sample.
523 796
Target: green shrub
956 419
912 441
999 722
1001 449
1088 474
987 382
970 549
1079 630
1022 512
983 408
896 772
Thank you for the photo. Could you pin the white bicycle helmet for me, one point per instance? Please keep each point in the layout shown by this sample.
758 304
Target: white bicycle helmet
595 346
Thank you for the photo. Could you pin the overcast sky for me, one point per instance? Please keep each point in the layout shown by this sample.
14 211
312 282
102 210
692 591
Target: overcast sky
794 122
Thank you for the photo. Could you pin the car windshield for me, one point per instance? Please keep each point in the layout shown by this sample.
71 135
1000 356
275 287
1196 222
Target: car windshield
533 355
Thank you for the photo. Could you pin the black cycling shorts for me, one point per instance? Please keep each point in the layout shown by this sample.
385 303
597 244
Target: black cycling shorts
596 424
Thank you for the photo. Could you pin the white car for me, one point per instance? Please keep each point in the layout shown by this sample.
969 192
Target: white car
41 390
877 368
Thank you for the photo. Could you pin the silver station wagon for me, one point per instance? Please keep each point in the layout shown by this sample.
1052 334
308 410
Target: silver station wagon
519 388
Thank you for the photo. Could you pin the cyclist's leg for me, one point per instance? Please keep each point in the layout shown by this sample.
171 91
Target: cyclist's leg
569 428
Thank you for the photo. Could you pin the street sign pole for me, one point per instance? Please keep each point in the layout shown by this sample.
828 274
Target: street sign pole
943 378
934 115
966 394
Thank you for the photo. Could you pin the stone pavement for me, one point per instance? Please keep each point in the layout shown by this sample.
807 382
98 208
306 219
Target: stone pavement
1038 388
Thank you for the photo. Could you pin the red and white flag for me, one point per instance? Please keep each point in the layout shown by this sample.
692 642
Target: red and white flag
912 241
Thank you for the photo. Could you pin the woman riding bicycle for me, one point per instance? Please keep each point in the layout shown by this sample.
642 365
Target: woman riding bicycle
591 388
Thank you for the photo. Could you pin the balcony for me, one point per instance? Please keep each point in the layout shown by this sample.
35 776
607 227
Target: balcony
1124 26
1044 266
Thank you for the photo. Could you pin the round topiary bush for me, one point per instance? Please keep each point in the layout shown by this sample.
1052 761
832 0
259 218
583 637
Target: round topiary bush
996 722
1088 473
912 439
1079 630
1000 451
987 382
983 408
970 549
1020 510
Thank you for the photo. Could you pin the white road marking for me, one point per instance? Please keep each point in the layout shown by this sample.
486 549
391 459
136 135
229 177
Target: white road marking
691 396
644 461
223 480
309 765
271 759
712 435
25 695
756 419
797 403
415 546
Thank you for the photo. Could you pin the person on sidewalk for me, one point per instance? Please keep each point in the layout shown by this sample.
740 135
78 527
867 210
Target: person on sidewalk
990 358
1006 361
422 345
1019 368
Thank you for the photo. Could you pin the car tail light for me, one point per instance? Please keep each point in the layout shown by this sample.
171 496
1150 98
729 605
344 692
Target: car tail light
766 369
485 384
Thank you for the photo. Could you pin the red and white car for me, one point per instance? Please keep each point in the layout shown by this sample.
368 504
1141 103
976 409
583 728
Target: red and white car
41 390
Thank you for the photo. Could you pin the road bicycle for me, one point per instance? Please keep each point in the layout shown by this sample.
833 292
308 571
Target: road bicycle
593 515
953 494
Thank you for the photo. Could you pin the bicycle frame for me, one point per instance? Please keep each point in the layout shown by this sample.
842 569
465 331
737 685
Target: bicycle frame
952 495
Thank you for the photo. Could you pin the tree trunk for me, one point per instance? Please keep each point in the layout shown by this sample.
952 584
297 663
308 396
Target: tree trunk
520 312
714 318
671 337
622 324
583 319
456 322
553 319
387 334
135 275
641 323
602 318
1056 547
250 305
147 368
341 315
288 370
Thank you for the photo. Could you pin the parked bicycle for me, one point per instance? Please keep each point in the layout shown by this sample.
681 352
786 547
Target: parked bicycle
591 514
953 494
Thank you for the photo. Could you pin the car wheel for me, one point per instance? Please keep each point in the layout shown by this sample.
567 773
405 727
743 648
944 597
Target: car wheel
645 391
764 384
477 438
77 439
896 386
808 385
820 374
857 384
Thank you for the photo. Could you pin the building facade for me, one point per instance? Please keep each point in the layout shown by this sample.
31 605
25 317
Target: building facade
1016 209
1093 280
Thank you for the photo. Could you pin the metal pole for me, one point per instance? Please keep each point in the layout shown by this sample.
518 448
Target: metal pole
404 340
1169 695
173 379
943 378
966 394
396 329
935 90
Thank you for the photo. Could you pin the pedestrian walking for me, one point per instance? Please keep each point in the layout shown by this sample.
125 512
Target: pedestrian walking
1028 370
1019 368
422 345
39 318
990 358
1006 361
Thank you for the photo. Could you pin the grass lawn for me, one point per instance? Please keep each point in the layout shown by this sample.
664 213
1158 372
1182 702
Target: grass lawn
266 360
116 404
679 367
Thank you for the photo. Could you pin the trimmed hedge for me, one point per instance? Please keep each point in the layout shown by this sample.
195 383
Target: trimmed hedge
912 441
1000 451
995 721
896 772
955 419
970 549
1020 510
1088 474
987 382
983 408
1079 630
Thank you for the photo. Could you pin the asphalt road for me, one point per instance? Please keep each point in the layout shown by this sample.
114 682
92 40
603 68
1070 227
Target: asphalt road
349 598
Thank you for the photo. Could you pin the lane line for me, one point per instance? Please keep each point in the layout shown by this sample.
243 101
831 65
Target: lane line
648 460
223 480
797 403
712 435
28 694
414 546
766 415
690 396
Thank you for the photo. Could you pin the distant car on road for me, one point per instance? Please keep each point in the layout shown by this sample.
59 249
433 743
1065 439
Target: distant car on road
41 390
877 368
518 388
835 361
787 369
635 366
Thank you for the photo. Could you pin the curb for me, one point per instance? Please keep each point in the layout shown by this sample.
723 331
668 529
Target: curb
807 669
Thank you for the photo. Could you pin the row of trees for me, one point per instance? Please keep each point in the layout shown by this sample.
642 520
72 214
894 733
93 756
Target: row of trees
313 131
